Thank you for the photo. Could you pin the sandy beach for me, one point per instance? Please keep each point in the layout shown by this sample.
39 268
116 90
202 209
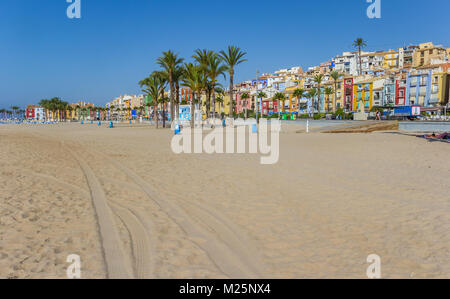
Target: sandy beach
332 200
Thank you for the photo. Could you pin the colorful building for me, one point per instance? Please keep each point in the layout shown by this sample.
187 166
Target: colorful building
348 94
391 60
427 53
389 92
419 88
35 113
400 90
363 95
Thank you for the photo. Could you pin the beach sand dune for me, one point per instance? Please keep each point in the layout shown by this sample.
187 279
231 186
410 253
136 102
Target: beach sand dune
330 202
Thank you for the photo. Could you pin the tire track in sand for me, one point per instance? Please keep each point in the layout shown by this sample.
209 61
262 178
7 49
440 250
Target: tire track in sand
141 244
139 238
214 221
116 267
111 243
227 255
229 258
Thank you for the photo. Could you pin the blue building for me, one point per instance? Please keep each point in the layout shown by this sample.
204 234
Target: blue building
389 92
419 89
280 86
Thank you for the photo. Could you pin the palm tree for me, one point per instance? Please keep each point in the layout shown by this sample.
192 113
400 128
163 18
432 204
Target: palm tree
119 115
194 79
219 100
15 109
78 108
44 104
141 109
162 101
280 97
169 62
328 92
359 43
215 70
111 111
153 86
178 77
232 58
298 93
148 105
261 95
245 96
312 94
335 76
84 110
70 109
62 108
318 79
55 106
203 58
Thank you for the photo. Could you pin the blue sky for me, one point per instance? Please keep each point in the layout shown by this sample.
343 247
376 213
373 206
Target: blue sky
104 54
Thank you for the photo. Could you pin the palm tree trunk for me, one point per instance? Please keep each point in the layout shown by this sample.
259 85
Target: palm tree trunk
360 61
164 114
318 99
177 88
245 115
335 97
207 102
214 101
231 115
193 110
172 97
155 114
279 110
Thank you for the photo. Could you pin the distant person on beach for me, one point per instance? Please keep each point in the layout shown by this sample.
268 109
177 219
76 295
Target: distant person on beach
444 136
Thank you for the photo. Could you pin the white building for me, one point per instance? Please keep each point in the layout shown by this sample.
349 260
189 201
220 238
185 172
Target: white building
347 63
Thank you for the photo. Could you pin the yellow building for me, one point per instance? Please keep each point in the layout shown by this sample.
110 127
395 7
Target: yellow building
390 60
336 98
442 80
221 107
426 52
363 94
225 106
290 105
72 112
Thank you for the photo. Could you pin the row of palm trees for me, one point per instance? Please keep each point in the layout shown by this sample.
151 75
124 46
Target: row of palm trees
56 106
15 112
60 109
201 76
